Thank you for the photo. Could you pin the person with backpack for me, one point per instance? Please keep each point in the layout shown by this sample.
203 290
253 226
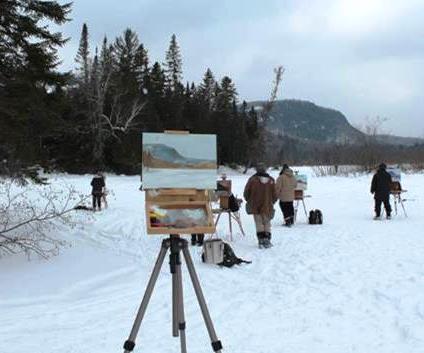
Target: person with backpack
285 185
97 190
260 197
380 187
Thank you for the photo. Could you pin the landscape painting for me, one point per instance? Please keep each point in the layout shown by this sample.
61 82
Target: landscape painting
179 161
395 173
302 181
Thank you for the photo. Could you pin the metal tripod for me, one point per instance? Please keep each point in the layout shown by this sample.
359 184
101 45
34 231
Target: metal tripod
175 244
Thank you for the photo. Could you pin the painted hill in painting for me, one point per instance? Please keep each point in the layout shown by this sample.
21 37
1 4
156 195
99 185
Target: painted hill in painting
163 156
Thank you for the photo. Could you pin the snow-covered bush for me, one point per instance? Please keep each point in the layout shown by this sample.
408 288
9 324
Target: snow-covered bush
29 215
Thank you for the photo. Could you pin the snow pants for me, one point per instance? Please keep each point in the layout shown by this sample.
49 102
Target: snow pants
97 201
386 201
288 211
262 223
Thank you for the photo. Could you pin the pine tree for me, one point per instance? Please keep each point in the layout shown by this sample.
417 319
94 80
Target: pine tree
207 89
173 66
141 62
227 95
83 56
30 95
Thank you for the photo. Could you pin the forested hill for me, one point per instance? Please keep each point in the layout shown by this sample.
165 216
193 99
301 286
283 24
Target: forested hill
306 120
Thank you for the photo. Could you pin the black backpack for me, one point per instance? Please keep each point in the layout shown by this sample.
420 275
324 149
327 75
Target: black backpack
230 258
233 204
315 217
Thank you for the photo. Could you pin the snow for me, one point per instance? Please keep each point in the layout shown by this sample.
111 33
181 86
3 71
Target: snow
350 285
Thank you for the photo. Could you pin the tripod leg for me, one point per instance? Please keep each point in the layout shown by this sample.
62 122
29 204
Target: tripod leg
130 342
304 208
403 207
174 305
217 218
231 226
181 317
216 344
296 207
238 220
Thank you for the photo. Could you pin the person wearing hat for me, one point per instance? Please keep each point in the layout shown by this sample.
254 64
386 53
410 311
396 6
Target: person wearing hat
380 187
285 185
260 196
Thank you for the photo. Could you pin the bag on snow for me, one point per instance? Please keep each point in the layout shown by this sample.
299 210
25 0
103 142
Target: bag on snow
220 250
315 217
213 251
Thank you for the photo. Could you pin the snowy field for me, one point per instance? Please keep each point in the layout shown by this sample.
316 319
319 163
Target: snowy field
350 285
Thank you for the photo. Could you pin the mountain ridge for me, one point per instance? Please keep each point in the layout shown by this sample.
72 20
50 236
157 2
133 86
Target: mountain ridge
308 121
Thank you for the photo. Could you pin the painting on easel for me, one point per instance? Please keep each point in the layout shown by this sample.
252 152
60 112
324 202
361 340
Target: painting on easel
179 161
395 173
302 181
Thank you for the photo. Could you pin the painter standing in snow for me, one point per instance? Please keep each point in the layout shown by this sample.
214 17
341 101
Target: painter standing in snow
260 196
285 185
380 187
98 185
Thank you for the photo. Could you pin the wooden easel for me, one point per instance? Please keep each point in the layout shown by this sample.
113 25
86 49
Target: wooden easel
178 199
299 197
231 216
224 207
396 191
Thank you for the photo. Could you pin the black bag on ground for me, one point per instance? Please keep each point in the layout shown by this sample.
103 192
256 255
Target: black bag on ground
315 217
229 257
233 204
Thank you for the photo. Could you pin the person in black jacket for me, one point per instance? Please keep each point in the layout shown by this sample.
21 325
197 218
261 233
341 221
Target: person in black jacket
380 187
98 185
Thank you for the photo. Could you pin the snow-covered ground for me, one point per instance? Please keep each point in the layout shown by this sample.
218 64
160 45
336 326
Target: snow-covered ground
350 285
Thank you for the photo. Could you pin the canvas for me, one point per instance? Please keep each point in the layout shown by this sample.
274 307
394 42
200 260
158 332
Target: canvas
179 161
395 173
302 181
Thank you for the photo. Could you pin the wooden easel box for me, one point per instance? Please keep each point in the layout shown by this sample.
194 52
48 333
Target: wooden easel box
298 194
179 199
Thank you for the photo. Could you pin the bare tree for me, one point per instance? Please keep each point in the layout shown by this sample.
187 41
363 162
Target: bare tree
30 214
259 146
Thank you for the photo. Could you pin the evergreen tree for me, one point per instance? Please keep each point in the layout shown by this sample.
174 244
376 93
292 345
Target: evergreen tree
173 66
83 56
30 94
207 89
141 62
227 94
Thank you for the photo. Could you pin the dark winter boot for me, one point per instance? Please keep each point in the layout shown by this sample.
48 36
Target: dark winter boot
200 238
193 239
267 242
261 239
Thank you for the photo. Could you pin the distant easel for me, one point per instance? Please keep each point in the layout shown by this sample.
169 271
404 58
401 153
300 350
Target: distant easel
396 191
223 193
299 198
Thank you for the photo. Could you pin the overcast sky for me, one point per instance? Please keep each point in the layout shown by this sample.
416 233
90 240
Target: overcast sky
362 57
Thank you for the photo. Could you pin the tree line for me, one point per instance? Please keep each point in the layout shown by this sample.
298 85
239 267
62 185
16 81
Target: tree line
93 116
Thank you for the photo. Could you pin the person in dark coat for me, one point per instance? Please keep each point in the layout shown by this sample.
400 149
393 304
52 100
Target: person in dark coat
380 187
97 185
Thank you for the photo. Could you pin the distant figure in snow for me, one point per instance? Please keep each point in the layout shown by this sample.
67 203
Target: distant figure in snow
98 185
260 196
285 185
380 187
